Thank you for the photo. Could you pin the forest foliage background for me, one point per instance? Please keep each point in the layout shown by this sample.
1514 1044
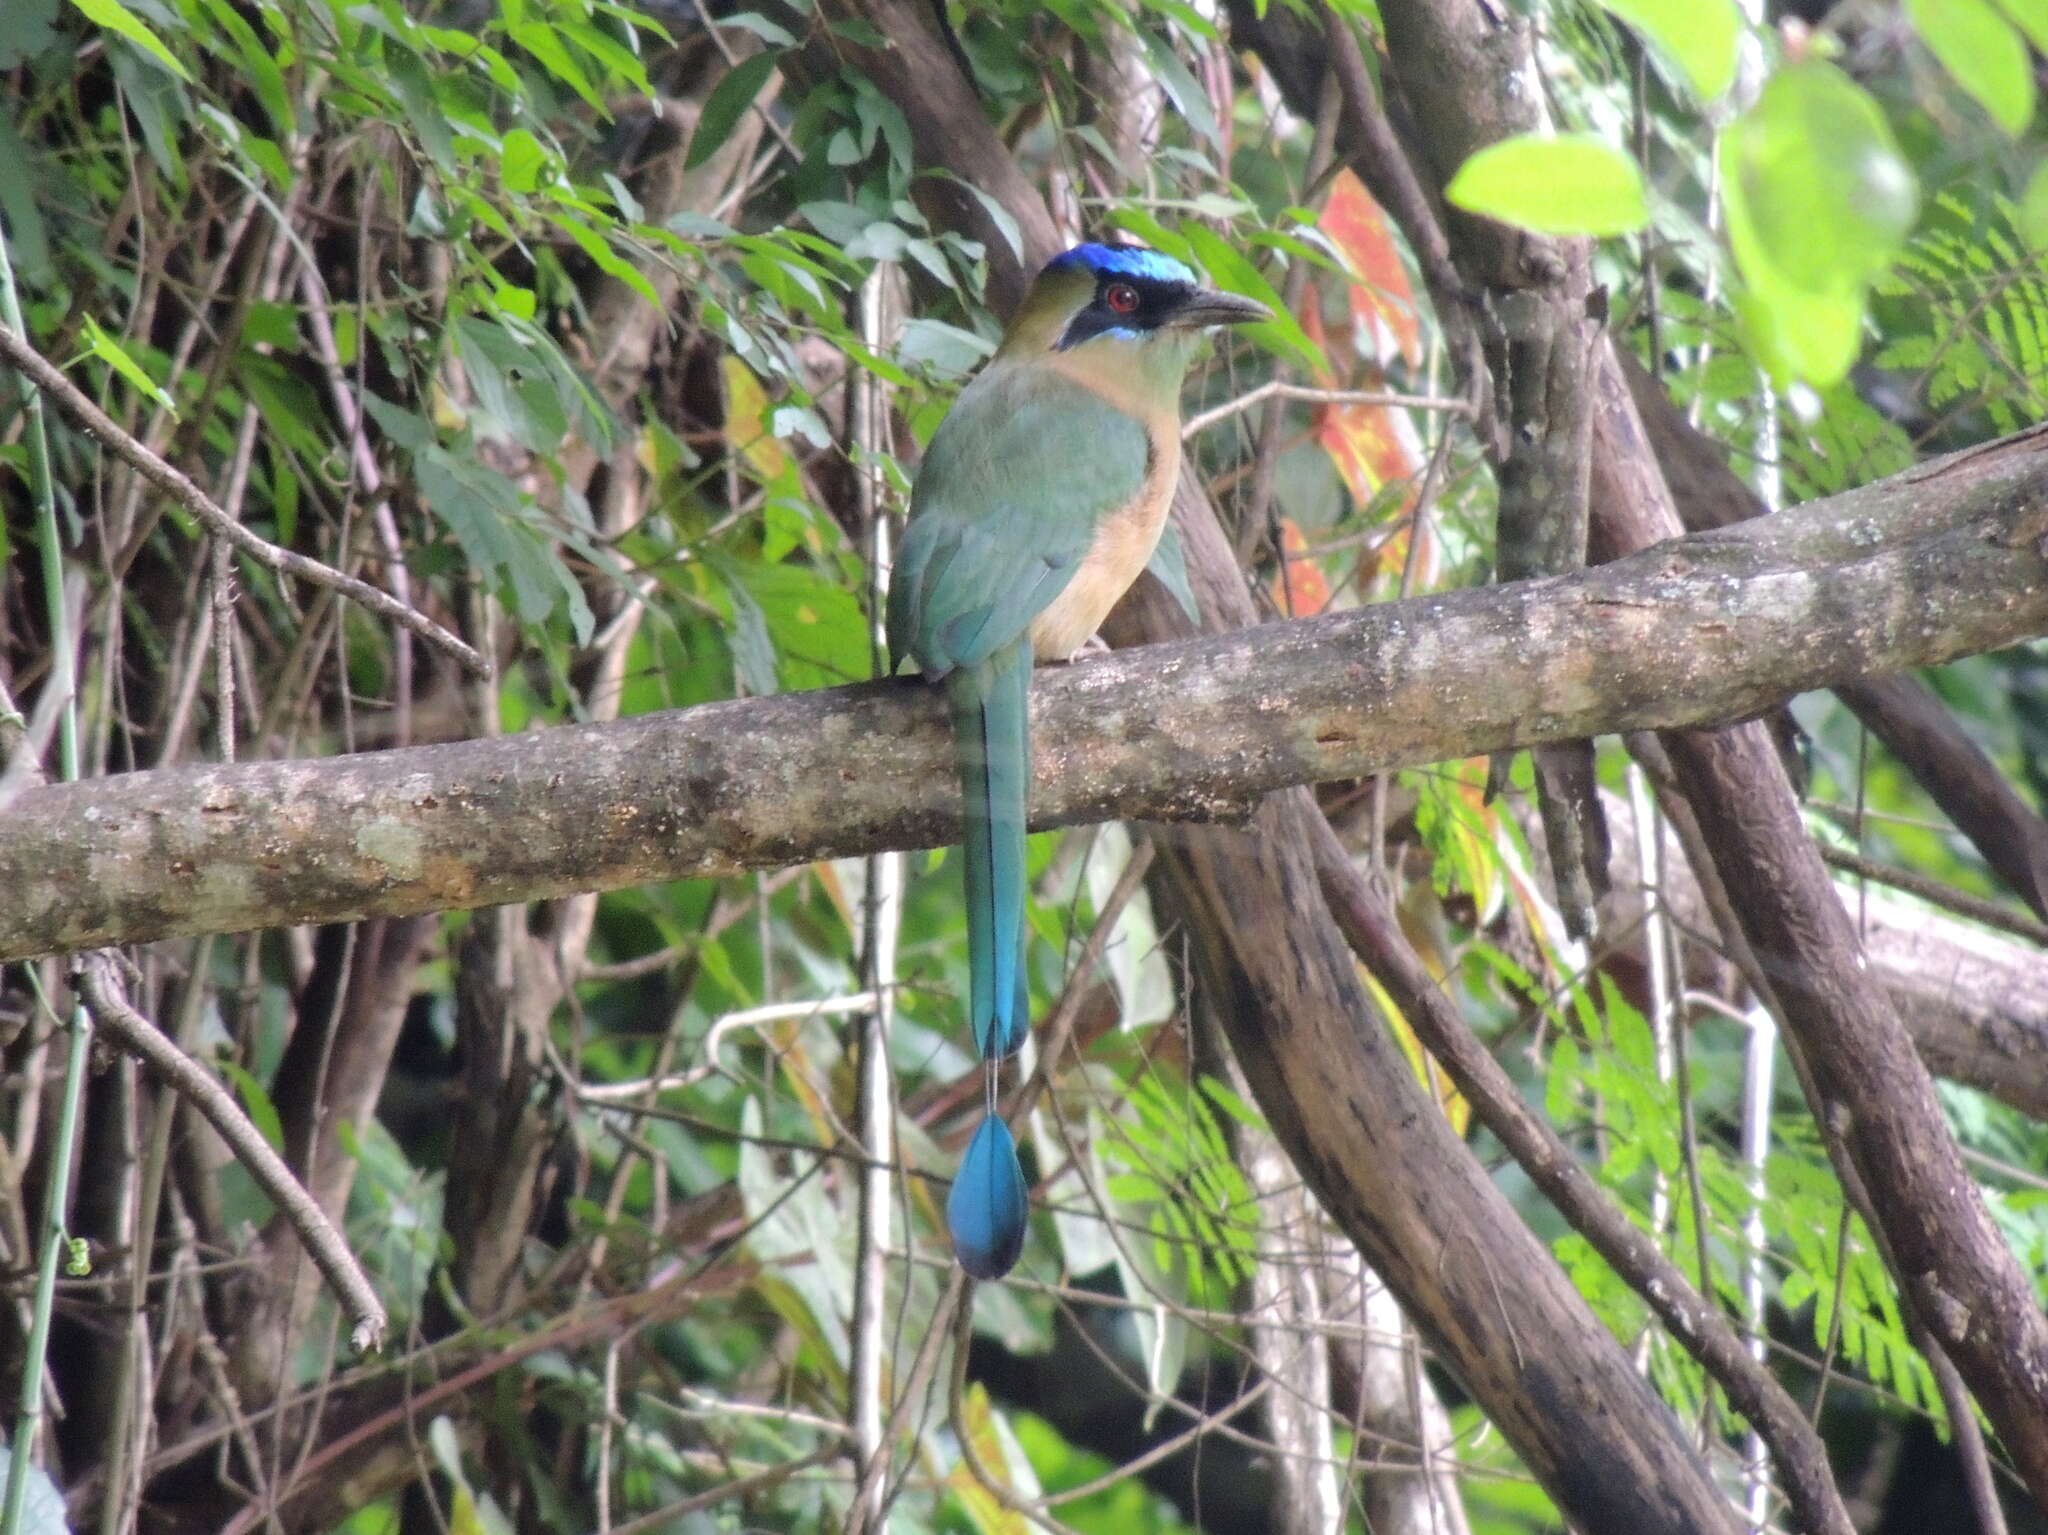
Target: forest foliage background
605 336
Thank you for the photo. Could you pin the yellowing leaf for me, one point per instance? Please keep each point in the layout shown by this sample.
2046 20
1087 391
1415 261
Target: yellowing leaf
979 1424
1372 446
1431 1075
1300 589
747 417
1382 299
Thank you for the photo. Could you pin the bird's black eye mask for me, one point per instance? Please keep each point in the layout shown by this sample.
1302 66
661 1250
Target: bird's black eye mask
1125 304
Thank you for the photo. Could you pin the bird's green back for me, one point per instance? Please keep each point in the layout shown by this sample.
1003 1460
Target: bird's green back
1015 483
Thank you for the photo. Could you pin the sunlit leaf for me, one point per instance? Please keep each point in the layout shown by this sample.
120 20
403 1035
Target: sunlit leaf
1700 36
2031 17
115 356
1815 182
1564 184
2034 208
1984 53
116 17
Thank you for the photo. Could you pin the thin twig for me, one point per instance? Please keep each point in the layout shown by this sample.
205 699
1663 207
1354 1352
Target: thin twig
1280 388
1365 919
1961 902
725 1495
136 1035
46 377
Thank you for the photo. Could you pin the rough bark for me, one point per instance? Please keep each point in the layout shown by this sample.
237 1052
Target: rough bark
1867 1088
1901 712
1381 1158
1874 1094
1709 628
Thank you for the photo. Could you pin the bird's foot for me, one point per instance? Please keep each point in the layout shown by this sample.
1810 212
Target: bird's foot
1094 645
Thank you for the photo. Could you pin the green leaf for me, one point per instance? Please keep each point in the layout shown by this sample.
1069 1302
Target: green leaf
255 1102
771 32
2033 217
732 96
1982 51
1567 184
2031 17
539 39
1814 184
1795 335
1700 36
1230 268
1186 91
522 161
115 356
257 67
116 17
33 30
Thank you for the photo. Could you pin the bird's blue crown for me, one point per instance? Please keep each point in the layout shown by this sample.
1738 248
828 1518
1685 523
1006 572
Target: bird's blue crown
1124 261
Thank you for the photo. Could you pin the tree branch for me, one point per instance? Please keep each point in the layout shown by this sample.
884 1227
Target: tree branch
137 1036
1709 628
1704 629
1369 926
1914 725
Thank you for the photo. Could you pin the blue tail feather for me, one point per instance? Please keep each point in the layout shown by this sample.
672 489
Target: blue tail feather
987 1208
991 731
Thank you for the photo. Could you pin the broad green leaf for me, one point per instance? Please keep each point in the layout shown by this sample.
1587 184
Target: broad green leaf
728 101
539 38
1800 335
1566 184
1178 83
27 235
607 260
772 33
258 67
2031 17
1982 51
2033 218
1814 184
116 17
523 160
753 648
1700 36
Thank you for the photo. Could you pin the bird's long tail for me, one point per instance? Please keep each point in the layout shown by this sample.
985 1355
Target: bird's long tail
991 732
987 1208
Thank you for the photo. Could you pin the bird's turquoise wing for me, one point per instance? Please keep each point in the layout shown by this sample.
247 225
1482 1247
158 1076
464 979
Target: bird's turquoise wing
1017 479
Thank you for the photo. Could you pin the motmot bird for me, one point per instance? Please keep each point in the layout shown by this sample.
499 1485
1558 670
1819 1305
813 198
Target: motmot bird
1040 499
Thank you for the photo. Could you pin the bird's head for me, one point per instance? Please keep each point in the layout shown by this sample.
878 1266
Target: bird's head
1120 306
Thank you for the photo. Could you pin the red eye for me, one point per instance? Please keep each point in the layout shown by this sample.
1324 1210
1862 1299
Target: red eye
1121 297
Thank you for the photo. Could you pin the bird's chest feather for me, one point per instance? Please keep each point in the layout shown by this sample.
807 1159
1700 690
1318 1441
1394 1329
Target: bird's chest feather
1123 542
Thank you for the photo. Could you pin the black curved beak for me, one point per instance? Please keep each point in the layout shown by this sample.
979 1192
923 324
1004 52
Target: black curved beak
1209 307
